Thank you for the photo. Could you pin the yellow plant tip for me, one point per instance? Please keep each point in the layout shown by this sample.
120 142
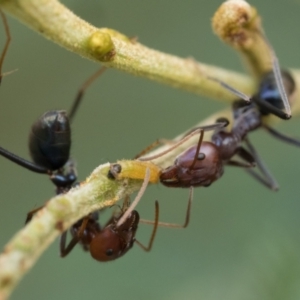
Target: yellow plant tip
235 22
101 44
135 169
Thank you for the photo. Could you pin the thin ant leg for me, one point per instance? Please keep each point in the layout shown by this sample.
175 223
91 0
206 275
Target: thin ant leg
153 145
246 156
269 180
198 155
231 89
148 248
271 109
173 225
64 251
220 123
137 198
8 39
281 136
81 91
185 138
23 162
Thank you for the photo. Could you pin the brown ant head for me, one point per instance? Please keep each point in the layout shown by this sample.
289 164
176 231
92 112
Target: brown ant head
194 169
114 241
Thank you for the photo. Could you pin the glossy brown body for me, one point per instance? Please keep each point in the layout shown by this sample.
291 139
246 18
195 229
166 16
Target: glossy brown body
192 169
108 243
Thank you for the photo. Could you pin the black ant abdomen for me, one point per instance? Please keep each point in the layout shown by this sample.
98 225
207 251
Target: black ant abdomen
269 92
50 140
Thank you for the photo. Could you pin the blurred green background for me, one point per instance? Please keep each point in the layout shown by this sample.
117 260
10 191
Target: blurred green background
243 240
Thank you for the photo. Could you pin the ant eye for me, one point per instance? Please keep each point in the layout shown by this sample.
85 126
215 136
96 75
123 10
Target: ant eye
201 156
109 252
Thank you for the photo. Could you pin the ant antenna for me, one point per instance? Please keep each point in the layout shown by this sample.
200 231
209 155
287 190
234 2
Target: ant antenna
277 75
148 248
231 89
172 225
198 153
8 39
137 198
191 133
81 91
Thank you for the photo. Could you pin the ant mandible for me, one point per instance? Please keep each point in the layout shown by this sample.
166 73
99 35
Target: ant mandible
50 140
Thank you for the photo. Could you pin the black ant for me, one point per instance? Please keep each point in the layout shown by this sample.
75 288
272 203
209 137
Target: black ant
8 39
50 142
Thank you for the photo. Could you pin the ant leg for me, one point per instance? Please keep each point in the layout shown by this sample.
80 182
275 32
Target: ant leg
282 136
81 91
172 225
271 109
220 123
197 154
148 248
8 39
136 200
246 156
268 179
31 213
64 251
187 136
231 89
23 162
153 145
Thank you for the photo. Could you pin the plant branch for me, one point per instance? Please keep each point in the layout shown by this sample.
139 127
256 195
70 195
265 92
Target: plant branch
57 23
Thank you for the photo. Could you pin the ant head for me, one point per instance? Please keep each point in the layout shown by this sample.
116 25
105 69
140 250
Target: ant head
114 241
50 140
194 169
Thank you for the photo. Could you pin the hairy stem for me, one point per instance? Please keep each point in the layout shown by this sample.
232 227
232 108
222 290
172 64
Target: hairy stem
237 26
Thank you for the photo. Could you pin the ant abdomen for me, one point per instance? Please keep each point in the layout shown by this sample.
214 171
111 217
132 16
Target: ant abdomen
50 140
186 173
269 92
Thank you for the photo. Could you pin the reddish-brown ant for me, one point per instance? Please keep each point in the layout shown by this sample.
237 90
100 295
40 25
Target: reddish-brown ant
118 235
203 163
110 242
